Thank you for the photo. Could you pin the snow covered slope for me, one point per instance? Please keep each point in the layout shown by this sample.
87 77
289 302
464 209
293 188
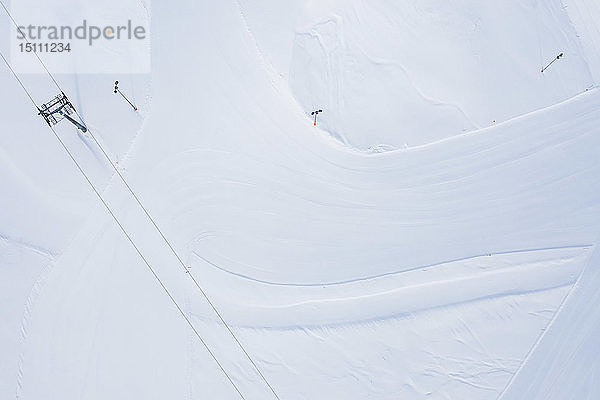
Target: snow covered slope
408 73
426 272
564 364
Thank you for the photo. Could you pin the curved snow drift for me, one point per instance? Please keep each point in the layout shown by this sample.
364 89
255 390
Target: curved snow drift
427 272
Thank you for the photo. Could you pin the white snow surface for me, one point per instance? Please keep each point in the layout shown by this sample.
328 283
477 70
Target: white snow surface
434 237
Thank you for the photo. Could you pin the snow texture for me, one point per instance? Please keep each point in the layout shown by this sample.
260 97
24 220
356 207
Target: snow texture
433 237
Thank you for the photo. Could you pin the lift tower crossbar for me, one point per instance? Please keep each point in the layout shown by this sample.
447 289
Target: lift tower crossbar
57 109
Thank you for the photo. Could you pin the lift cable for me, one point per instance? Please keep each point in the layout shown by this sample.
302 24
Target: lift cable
186 268
137 199
196 283
122 228
35 52
19 80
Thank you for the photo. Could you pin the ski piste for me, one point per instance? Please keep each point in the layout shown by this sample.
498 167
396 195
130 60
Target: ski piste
407 247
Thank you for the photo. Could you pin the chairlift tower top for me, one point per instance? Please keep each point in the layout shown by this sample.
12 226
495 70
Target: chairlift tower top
57 109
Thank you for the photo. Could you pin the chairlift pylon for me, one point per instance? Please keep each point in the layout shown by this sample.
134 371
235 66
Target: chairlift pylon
57 109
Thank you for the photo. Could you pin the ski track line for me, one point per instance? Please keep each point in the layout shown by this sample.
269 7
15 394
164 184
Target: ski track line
396 154
26 321
50 254
433 102
189 367
49 268
147 105
529 154
271 72
380 319
394 273
268 67
460 136
29 301
562 304
281 87
497 124
34 294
